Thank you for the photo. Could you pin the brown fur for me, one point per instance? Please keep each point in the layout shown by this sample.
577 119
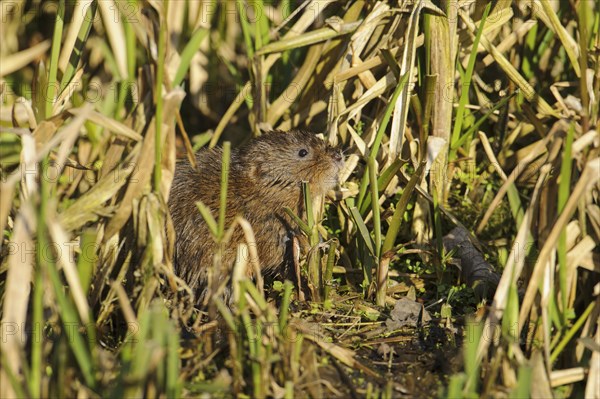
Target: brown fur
265 177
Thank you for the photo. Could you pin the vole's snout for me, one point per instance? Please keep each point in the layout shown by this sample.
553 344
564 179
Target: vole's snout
336 154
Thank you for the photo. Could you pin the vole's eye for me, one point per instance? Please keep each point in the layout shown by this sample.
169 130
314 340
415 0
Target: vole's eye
302 153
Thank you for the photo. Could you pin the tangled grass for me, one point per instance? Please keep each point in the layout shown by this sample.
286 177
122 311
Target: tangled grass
468 114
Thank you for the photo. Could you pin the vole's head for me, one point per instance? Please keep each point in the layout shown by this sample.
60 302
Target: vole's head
283 160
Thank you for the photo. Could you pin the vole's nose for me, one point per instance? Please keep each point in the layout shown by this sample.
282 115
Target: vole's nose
337 154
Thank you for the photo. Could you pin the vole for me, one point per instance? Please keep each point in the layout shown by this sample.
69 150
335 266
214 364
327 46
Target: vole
265 176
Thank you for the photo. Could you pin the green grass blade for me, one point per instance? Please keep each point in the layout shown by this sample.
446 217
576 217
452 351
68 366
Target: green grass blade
210 221
464 95
225 165
69 317
87 259
401 205
523 389
308 205
226 313
303 226
130 42
67 312
173 386
38 319
391 62
261 25
564 190
50 95
469 133
375 207
245 28
285 304
456 386
301 223
328 276
437 225
158 96
255 294
141 351
571 333
382 182
380 132
314 262
514 201
82 36
188 53
474 330
363 230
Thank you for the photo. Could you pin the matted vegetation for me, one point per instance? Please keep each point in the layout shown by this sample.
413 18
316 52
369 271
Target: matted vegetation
475 115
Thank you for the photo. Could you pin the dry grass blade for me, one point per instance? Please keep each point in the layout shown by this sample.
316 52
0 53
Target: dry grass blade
580 254
442 36
87 165
144 166
115 33
375 91
344 355
109 124
569 44
30 155
313 37
71 37
252 252
369 64
283 102
136 187
18 286
568 376
406 67
510 40
69 135
172 103
530 94
589 178
14 62
514 265
64 245
593 384
6 199
361 37
91 205
531 156
235 105
312 11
